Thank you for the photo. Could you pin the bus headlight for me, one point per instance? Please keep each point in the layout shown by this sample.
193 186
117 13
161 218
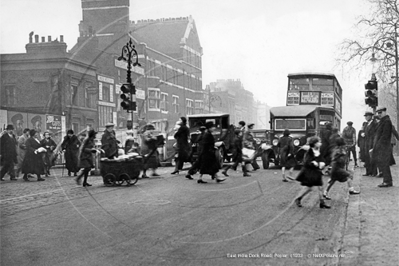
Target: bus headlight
275 142
296 142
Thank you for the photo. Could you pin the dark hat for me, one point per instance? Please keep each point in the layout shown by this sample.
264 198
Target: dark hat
242 123
47 132
10 127
251 125
110 124
92 133
202 128
149 127
32 132
340 141
368 113
209 124
70 131
287 132
349 123
183 119
313 140
381 109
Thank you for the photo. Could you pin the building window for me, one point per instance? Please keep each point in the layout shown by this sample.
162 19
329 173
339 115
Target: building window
164 102
74 94
154 97
199 107
189 107
75 127
89 96
106 92
105 115
175 103
9 97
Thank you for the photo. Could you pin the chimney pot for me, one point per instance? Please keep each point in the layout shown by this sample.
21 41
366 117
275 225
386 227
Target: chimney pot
43 39
49 38
36 38
61 38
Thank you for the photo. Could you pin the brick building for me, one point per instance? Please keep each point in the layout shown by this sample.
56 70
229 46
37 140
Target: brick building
48 83
169 80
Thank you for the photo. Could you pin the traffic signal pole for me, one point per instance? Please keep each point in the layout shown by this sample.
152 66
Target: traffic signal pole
129 90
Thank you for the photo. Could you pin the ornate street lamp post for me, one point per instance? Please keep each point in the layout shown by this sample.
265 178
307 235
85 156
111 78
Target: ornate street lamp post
128 90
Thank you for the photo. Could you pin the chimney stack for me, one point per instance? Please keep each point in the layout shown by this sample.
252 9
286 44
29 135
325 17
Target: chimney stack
36 38
49 38
30 37
43 39
61 38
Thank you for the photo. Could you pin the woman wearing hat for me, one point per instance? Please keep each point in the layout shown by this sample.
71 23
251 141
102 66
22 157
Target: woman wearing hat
286 151
71 146
33 161
310 174
209 165
150 151
86 157
49 145
8 146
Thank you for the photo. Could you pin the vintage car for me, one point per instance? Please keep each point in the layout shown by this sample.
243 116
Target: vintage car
223 134
303 121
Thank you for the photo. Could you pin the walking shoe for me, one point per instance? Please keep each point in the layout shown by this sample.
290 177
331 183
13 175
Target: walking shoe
40 179
285 180
13 178
246 174
175 172
326 196
220 180
354 192
200 181
225 173
155 174
86 185
385 185
323 205
189 177
144 176
298 202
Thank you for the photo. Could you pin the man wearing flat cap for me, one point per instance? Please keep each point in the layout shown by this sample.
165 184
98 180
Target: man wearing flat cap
109 143
382 148
349 135
8 151
369 129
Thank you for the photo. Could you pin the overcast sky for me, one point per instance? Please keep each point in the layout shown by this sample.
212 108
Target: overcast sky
256 41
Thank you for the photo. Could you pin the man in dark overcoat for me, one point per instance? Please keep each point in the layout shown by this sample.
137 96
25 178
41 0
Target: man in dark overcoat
8 152
109 143
369 133
183 147
71 146
382 148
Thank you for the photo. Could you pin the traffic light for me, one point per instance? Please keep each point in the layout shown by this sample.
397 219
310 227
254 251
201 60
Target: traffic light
128 97
371 93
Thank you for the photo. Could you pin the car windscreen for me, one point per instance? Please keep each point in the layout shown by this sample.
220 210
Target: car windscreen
293 124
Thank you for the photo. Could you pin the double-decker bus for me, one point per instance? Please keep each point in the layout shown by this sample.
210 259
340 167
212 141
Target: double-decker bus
313 99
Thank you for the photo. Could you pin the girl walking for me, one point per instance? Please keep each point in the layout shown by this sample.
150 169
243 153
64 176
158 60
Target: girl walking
310 174
86 157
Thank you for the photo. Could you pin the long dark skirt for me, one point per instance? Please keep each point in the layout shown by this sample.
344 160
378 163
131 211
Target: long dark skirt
33 164
310 177
209 164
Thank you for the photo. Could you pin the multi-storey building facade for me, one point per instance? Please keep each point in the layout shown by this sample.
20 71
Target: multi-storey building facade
46 85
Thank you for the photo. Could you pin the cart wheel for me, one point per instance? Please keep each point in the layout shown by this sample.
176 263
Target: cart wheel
109 180
134 179
125 177
119 181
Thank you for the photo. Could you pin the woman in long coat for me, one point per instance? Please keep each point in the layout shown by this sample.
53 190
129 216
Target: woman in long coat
209 165
86 157
149 151
338 171
183 147
33 161
71 146
310 174
48 156
286 152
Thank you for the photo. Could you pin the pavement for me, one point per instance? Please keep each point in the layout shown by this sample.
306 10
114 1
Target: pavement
371 235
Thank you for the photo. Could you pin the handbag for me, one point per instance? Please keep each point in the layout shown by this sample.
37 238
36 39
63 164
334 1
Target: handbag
248 154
